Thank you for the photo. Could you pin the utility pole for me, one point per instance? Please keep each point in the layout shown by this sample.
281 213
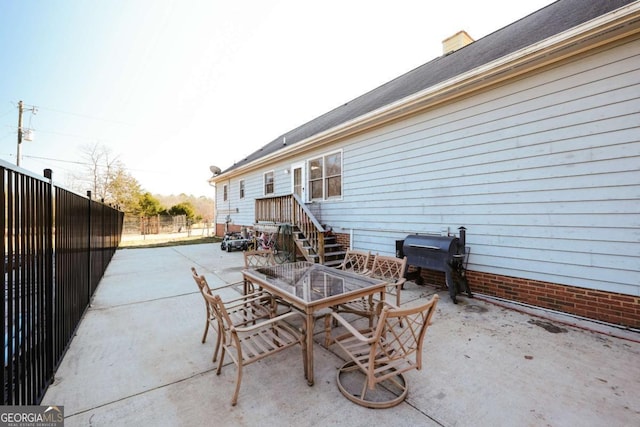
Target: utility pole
19 154
21 133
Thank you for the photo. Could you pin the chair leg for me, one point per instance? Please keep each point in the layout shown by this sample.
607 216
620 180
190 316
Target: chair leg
206 329
221 362
327 330
304 360
385 395
234 399
398 300
217 349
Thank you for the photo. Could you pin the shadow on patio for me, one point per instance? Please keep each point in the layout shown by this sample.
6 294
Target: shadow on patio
137 359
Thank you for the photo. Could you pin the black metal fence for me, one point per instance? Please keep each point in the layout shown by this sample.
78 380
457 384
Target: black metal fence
57 245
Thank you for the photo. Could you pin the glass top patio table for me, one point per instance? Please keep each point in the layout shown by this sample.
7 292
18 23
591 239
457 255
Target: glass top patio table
310 283
311 287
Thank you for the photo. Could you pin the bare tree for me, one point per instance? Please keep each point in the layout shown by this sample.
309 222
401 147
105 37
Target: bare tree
97 161
107 178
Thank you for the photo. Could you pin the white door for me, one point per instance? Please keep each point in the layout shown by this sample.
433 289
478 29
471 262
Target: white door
298 180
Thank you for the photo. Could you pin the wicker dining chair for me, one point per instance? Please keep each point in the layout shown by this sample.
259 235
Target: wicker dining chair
243 309
250 343
378 357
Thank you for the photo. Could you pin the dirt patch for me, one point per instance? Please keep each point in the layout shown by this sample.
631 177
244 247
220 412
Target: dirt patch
548 326
475 308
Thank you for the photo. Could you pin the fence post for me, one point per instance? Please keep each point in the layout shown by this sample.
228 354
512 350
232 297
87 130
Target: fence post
90 260
49 269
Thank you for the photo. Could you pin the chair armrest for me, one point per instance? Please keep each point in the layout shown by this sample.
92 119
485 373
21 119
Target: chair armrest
268 322
228 285
386 303
237 286
400 281
353 331
247 299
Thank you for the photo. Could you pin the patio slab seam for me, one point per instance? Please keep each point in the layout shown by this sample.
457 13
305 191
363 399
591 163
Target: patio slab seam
107 307
141 393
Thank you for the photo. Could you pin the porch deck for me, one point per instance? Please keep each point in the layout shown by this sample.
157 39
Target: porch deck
137 360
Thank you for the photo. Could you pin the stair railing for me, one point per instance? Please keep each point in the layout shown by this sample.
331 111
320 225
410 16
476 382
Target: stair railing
309 226
292 210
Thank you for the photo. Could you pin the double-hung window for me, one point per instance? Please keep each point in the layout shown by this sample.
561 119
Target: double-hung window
242 189
225 193
268 183
325 176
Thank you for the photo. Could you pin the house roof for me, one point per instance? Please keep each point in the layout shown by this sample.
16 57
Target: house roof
551 20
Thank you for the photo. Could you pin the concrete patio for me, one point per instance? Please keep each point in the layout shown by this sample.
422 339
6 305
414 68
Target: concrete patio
138 360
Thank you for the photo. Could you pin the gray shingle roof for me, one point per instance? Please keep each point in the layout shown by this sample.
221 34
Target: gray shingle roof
544 23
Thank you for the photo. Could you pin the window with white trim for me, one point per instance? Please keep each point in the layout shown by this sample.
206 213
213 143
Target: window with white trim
225 193
242 189
268 183
325 177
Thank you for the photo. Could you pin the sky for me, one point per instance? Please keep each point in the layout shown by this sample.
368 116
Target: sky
171 87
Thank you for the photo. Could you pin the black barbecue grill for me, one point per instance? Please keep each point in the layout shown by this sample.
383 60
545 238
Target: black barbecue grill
439 253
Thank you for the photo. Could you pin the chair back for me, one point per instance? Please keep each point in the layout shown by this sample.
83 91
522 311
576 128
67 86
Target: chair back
200 281
217 308
356 261
388 268
259 258
399 336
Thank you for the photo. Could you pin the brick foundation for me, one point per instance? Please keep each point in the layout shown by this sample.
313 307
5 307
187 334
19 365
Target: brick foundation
608 307
232 228
343 240
603 306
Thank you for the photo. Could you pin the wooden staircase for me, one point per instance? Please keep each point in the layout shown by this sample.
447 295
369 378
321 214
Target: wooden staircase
333 252
313 242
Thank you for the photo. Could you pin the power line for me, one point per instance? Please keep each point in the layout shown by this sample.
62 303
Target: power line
8 112
65 134
87 164
84 116
58 160
11 133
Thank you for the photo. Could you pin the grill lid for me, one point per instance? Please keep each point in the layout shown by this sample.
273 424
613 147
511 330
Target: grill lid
420 242
429 251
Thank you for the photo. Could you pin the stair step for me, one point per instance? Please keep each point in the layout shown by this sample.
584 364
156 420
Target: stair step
335 254
333 263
